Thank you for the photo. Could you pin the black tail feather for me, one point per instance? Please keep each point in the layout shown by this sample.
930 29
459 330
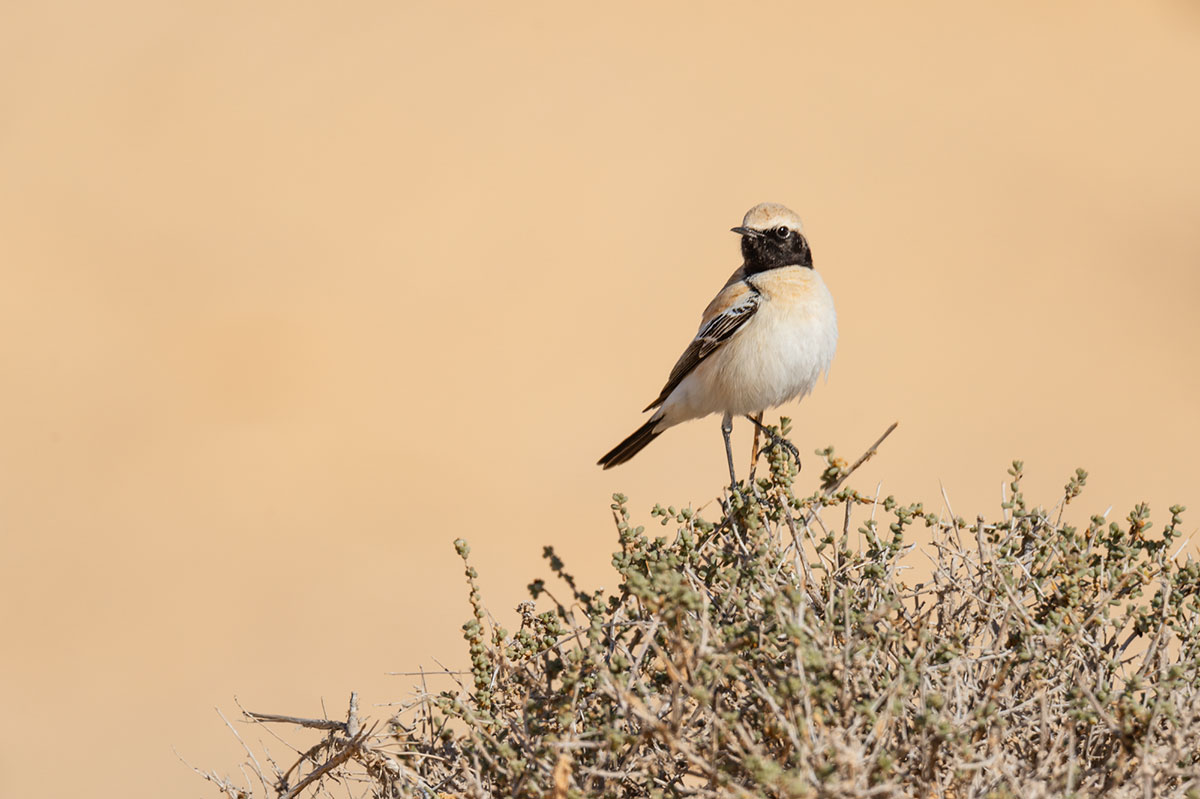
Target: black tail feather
632 445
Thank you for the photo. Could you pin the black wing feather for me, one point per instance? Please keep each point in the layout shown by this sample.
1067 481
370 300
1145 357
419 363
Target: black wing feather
707 341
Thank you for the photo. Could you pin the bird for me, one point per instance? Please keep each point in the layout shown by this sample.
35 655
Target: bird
764 340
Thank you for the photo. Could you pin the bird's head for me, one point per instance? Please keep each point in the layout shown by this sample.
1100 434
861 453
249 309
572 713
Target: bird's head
772 236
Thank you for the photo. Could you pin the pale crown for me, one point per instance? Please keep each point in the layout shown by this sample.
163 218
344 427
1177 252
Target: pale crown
768 216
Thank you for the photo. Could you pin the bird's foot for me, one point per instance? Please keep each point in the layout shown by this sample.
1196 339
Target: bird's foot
776 440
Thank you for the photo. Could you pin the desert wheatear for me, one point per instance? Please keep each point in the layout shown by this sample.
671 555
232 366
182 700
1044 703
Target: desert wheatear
764 340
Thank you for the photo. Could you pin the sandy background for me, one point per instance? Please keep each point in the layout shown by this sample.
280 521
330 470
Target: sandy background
294 294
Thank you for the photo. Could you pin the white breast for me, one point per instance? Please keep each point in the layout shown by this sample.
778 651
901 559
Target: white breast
776 357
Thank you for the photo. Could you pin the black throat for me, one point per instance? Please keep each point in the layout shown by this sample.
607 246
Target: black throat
763 253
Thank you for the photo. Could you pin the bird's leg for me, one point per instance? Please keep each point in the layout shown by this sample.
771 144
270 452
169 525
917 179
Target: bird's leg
754 449
726 430
775 439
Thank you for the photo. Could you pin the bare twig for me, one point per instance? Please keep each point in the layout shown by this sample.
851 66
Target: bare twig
316 724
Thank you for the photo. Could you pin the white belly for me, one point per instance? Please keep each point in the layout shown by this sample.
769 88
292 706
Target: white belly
776 357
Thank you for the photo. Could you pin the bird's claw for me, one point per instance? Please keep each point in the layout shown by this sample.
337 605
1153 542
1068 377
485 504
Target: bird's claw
776 440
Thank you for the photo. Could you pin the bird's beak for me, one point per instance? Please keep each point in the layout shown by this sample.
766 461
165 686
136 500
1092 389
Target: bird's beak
748 231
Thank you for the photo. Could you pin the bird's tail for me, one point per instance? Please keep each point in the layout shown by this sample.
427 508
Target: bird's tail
632 445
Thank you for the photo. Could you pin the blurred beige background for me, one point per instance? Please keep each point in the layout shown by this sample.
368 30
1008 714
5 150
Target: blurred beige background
294 294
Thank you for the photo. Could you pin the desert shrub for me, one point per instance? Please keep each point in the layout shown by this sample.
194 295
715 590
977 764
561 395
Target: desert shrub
777 650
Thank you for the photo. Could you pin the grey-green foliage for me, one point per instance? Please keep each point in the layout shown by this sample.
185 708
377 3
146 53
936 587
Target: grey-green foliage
777 650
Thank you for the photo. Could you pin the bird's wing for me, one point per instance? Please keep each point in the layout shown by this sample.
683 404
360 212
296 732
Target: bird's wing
725 315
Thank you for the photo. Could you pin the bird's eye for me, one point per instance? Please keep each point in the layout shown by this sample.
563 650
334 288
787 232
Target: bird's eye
782 232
